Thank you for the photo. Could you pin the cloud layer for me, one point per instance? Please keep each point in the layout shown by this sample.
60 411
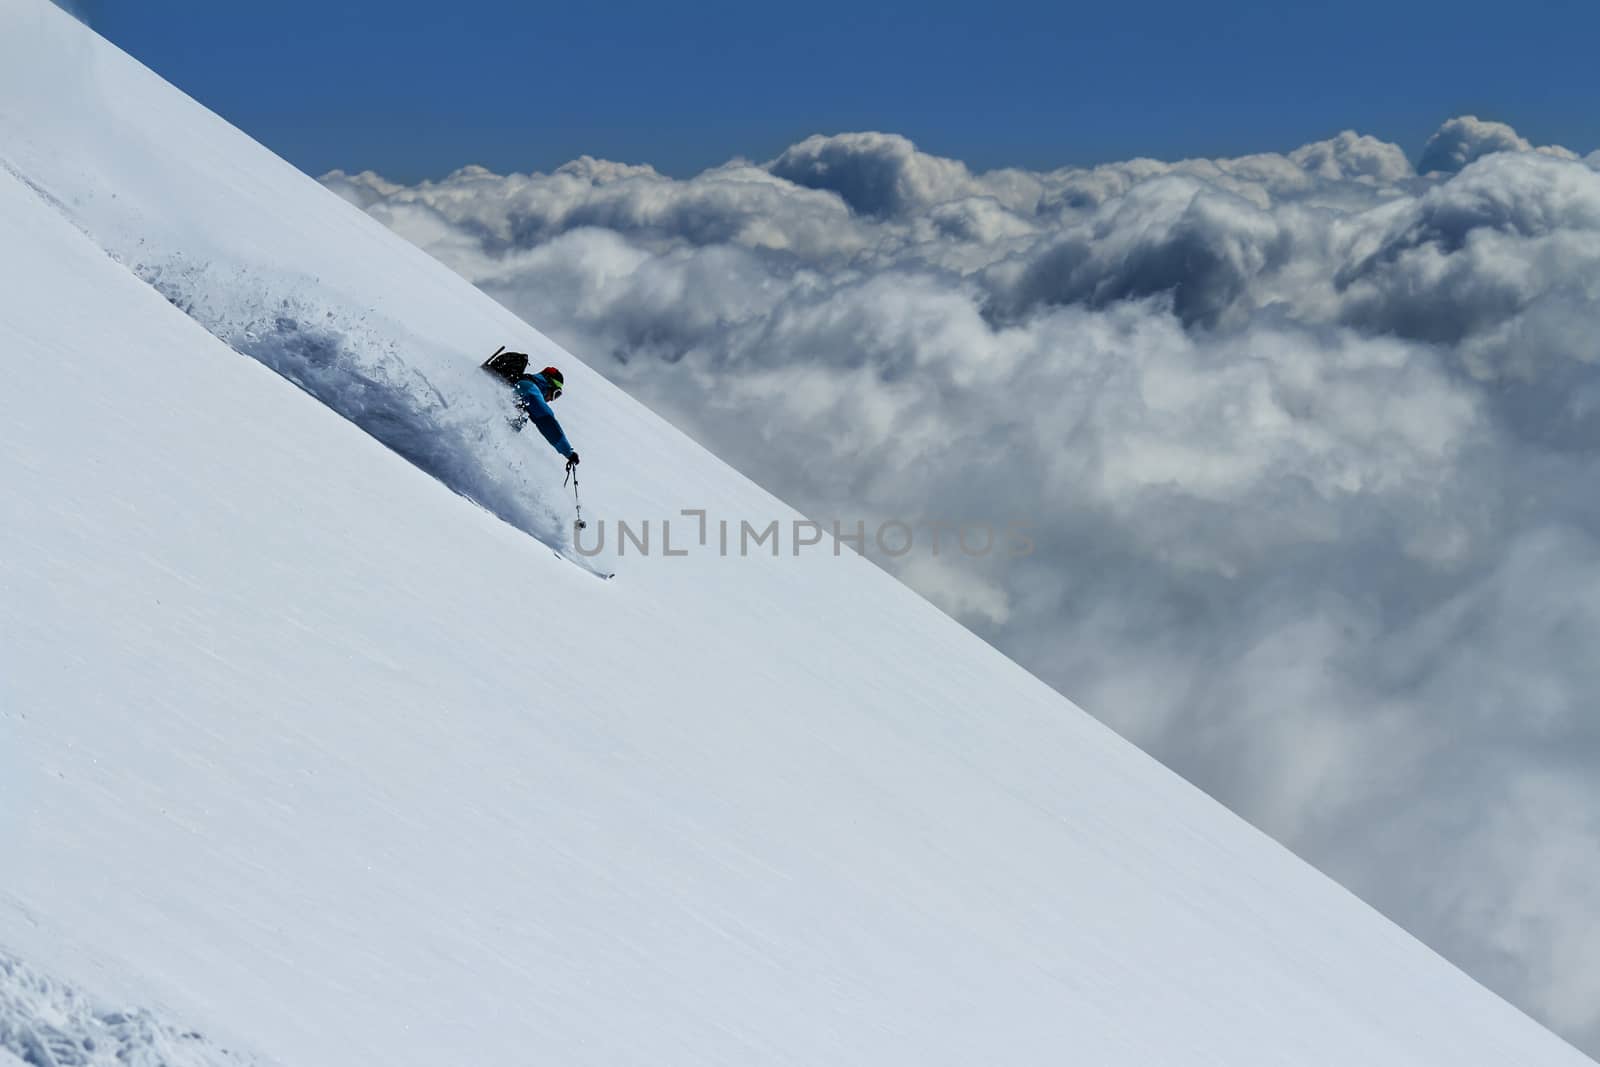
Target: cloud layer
1308 443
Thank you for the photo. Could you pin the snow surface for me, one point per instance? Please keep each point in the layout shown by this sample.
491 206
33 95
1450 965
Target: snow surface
48 1024
303 748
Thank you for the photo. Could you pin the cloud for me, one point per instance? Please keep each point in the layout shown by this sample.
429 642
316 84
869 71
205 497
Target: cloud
1498 264
1352 157
1468 138
874 173
1173 235
1306 442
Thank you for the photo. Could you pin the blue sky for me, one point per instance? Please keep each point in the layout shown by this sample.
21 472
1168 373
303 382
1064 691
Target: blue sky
417 89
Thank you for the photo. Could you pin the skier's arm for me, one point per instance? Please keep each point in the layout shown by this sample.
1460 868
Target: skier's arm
551 429
539 412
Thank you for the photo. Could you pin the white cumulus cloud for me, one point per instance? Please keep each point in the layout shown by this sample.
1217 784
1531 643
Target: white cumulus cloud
1468 138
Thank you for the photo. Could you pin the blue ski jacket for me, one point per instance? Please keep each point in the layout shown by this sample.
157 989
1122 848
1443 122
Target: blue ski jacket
530 397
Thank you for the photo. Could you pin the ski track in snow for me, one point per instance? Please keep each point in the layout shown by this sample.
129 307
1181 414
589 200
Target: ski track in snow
48 1023
358 368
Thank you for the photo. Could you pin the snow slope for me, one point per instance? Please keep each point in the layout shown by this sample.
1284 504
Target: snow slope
304 749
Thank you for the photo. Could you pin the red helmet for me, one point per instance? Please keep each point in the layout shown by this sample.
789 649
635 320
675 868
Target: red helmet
553 376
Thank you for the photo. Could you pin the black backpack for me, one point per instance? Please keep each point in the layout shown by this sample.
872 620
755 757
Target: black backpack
509 367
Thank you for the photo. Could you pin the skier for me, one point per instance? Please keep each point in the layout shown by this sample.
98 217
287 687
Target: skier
534 393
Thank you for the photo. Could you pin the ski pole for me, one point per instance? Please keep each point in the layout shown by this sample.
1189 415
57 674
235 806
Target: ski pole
576 500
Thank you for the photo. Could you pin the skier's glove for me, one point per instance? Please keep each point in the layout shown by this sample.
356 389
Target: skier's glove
572 461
